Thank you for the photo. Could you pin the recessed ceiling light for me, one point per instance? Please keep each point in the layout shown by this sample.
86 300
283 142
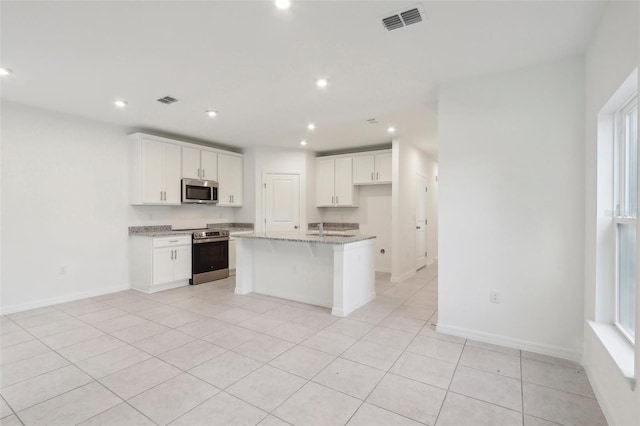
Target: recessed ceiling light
212 113
322 82
391 129
283 4
311 126
303 142
120 103
5 71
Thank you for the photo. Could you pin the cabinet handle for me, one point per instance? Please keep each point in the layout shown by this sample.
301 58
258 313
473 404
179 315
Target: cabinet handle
332 199
171 254
160 195
377 175
229 198
203 173
372 176
336 200
198 172
176 256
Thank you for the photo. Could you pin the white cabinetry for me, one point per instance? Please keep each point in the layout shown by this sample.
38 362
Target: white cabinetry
155 171
372 169
230 171
199 164
334 182
160 263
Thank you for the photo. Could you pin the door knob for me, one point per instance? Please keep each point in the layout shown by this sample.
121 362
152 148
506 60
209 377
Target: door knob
417 227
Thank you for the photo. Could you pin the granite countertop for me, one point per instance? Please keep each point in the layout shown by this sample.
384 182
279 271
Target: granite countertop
305 238
168 233
232 227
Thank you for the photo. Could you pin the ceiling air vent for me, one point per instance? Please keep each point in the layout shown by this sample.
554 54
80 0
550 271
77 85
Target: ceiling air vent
372 121
401 19
167 100
392 22
411 16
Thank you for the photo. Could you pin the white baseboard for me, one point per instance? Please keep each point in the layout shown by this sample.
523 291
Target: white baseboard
384 270
526 345
61 299
398 278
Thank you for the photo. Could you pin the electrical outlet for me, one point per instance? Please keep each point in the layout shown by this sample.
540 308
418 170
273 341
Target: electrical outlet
495 296
63 270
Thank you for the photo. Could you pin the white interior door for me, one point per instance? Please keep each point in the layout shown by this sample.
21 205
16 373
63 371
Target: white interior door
421 220
282 202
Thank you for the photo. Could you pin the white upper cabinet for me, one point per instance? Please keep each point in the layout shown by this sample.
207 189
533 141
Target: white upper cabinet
199 164
334 182
325 178
158 164
372 169
230 181
209 165
155 171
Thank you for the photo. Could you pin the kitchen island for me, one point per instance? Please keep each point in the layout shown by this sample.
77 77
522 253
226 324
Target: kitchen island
333 271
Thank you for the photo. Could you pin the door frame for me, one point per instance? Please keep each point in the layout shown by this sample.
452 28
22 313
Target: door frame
420 265
301 198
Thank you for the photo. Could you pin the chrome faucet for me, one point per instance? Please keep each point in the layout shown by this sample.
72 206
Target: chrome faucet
320 229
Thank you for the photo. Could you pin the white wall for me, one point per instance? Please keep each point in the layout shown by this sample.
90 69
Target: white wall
259 161
612 56
65 204
407 162
511 200
374 216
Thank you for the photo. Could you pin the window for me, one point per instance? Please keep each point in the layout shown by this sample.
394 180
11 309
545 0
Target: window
626 214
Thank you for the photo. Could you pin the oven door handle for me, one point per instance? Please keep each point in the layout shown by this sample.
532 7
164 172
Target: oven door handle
211 240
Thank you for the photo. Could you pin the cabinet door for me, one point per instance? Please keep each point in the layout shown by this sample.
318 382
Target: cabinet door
383 168
162 265
172 173
182 263
152 172
190 163
325 177
344 182
230 171
209 164
363 170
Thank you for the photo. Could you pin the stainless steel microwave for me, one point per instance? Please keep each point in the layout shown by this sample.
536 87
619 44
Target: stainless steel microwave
196 191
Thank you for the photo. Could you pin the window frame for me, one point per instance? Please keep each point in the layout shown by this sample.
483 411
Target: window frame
620 211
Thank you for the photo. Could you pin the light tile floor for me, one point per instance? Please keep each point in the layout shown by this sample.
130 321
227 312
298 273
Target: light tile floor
201 355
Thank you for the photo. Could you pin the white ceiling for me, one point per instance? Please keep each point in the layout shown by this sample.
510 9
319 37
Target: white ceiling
257 65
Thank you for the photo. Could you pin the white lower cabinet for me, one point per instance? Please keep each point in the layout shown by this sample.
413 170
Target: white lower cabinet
160 263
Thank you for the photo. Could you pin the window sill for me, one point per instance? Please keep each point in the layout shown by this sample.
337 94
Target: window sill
619 348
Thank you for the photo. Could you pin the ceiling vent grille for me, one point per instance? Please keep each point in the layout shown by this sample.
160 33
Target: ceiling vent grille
411 16
399 20
372 121
392 22
167 100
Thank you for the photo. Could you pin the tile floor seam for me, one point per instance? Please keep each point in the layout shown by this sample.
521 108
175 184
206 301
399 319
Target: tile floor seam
9 405
485 401
521 388
451 381
560 390
55 396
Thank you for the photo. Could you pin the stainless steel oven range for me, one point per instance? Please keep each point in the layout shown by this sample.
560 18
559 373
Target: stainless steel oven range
210 256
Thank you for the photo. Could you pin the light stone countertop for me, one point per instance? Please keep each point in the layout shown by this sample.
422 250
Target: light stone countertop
304 238
167 233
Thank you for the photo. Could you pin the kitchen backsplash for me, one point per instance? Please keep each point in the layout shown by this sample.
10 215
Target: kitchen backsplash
334 226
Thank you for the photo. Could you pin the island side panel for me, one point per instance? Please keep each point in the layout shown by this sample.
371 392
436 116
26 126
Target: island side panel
354 276
244 266
294 270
